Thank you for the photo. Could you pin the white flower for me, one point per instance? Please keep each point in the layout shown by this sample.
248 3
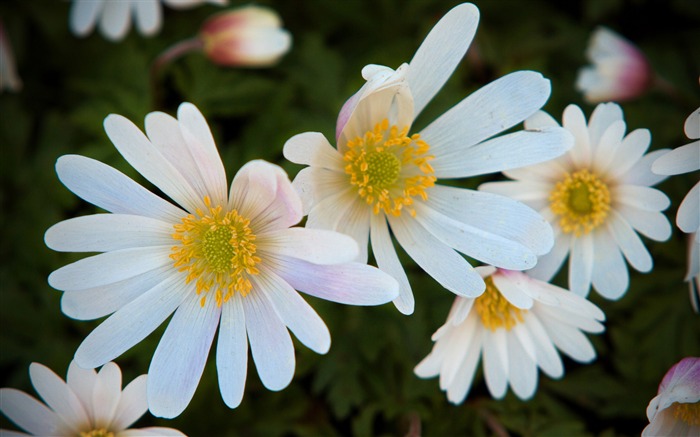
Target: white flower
227 260
114 16
9 79
620 71
517 324
676 409
686 159
380 176
597 197
87 404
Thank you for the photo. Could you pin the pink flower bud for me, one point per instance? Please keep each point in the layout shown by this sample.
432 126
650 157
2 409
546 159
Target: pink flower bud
620 71
250 36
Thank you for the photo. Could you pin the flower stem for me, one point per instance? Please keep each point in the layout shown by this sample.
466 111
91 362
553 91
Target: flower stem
170 54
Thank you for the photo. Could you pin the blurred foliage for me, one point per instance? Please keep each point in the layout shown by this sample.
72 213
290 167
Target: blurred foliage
364 386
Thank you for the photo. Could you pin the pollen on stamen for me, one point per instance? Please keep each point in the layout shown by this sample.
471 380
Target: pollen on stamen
389 168
217 250
495 310
582 202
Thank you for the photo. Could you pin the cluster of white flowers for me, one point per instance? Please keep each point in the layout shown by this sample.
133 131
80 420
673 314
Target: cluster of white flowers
230 259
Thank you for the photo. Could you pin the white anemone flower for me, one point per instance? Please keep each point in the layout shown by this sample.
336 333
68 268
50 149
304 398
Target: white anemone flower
597 197
227 260
382 177
676 409
114 16
87 404
686 159
517 325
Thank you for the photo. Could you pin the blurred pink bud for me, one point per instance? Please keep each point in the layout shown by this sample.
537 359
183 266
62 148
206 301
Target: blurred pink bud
250 36
620 71
9 79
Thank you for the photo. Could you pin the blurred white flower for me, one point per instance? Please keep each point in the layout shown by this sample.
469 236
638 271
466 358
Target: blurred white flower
675 411
9 79
382 177
517 325
114 16
597 197
219 259
87 404
681 160
620 71
250 36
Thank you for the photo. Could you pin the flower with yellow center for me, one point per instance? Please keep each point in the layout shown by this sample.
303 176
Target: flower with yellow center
86 404
220 259
597 197
382 178
675 410
517 325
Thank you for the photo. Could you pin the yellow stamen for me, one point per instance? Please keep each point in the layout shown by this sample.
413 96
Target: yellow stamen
582 202
495 310
688 413
100 432
217 250
389 168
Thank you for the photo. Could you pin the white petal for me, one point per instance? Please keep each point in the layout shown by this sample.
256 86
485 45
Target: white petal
83 15
535 194
10 433
651 224
148 160
486 112
547 357
575 122
93 303
58 396
602 117
315 184
518 149
496 362
460 342
148 16
461 384
107 232
549 172
641 174
312 148
628 153
232 352
573 316
629 242
109 267
609 146
355 223
681 160
474 242
441 52
688 217
295 313
106 395
352 283
581 265
509 287
495 214
151 431
548 265
82 383
540 119
179 359
522 370
313 245
640 197
570 341
132 405
329 212
116 19
440 261
28 413
270 343
131 324
111 190
610 276
388 261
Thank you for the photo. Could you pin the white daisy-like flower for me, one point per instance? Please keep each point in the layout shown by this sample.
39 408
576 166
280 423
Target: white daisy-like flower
675 411
597 197
87 404
114 16
620 71
517 325
686 159
382 177
220 259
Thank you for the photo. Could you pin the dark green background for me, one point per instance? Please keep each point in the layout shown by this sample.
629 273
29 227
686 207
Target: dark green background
364 385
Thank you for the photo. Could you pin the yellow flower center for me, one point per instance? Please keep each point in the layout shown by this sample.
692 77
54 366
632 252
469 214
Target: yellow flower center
389 168
688 413
495 310
582 202
217 250
101 432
